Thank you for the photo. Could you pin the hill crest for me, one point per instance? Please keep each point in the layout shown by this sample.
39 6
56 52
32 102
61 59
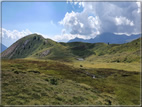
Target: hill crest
35 46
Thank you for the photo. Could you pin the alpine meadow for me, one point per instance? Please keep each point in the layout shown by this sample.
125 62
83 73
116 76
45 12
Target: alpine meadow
90 55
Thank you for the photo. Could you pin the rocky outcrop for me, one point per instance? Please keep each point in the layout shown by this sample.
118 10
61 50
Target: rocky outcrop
44 53
25 43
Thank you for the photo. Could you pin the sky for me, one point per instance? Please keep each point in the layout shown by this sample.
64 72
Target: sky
62 21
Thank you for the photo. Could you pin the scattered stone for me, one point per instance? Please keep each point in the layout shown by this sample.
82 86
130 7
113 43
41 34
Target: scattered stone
94 77
80 59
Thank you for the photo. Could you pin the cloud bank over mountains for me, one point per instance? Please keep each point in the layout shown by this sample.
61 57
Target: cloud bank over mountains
100 17
14 34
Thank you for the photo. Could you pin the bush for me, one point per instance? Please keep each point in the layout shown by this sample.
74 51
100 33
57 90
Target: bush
46 79
44 43
16 72
100 54
53 81
38 38
108 102
34 38
34 71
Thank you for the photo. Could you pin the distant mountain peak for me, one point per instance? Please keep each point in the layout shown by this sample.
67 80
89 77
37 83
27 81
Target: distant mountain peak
108 37
3 47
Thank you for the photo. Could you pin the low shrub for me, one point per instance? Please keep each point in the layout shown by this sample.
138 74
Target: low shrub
53 81
46 79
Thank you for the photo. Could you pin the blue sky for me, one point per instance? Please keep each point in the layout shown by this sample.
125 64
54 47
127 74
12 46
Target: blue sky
62 21
40 17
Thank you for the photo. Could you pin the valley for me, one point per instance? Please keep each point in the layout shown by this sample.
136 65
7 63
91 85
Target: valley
39 71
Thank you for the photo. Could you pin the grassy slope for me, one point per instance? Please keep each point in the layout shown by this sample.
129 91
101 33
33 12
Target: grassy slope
121 57
111 85
129 52
73 87
36 45
38 90
26 46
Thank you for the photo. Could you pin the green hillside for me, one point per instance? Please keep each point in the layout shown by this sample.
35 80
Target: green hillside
129 52
35 46
24 47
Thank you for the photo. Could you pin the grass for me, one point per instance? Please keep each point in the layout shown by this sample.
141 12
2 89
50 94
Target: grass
113 65
39 89
57 83
60 79
34 45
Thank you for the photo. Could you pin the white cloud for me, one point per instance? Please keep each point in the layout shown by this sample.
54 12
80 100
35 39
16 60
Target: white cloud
77 2
14 34
81 4
69 19
11 36
88 25
126 34
139 7
45 36
63 31
81 25
123 21
66 37
99 17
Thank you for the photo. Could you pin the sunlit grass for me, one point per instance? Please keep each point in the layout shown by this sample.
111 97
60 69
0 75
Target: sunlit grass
120 66
33 82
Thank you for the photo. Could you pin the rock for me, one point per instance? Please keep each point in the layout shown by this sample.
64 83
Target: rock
44 53
80 59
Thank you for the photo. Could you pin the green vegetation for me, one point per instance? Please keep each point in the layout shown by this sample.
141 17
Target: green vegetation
38 71
32 82
35 46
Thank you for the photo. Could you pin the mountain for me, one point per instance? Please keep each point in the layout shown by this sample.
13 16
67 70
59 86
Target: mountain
35 46
108 38
3 47
57 73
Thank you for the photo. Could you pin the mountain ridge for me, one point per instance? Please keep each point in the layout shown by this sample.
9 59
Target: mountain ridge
108 38
36 46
